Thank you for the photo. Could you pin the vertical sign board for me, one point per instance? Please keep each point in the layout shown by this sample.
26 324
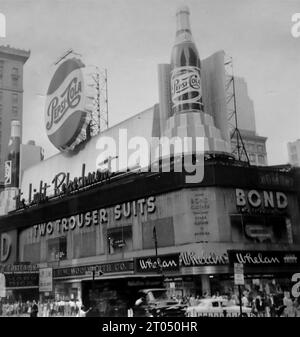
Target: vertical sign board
239 274
2 285
8 172
45 281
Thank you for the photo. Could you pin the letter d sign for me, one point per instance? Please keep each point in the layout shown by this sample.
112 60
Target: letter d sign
296 286
5 247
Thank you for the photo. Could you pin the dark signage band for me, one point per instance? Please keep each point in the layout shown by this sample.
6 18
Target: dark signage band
105 268
148 264
264 258
22 280
19 268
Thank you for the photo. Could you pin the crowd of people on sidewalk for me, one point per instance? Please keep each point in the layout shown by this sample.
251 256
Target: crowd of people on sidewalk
262 304
48 308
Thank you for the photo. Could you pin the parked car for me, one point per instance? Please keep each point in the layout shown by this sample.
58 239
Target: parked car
155 303
217 308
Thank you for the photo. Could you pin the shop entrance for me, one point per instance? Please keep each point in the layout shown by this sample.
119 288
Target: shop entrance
113 297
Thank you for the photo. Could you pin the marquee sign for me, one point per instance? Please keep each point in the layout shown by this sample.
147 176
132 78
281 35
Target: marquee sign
105 268
264 258
169 262
66 113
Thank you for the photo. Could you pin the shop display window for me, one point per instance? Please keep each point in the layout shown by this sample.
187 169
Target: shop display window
57 249
119 239
164 233
251 228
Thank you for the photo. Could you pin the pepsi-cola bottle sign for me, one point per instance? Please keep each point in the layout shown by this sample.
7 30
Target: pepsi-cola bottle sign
186 93
186 85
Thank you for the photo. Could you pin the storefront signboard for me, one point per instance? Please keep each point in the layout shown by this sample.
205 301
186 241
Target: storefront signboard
45 280
264 258
19 268
260 201
169 262
2 285
239 274
22 280
202 259
105 268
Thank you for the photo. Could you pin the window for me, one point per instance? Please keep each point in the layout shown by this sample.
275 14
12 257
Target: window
251 147
260 148
119 239
164 233
261 160
293 149
57 249
15 76
252 158
14 110
14 99
294 157
1 68
0 109
15 73
259 229
1 95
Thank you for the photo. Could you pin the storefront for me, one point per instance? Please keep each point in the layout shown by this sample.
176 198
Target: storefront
99 240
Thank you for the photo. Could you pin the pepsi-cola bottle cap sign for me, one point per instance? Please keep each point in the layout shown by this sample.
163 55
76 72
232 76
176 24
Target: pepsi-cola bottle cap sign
66 113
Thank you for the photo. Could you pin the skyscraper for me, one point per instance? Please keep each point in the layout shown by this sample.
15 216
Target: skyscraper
12 61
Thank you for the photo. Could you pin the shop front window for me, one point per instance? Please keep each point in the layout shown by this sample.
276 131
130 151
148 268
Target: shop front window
57 249
119 239
260 229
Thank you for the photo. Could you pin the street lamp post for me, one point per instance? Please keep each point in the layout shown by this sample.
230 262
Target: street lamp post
159 267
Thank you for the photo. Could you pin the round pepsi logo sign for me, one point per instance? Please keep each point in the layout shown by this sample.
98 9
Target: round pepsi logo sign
66 115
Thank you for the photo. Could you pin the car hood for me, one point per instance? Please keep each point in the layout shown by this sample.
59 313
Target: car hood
166 305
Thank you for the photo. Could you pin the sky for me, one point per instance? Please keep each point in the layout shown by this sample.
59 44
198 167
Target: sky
131 37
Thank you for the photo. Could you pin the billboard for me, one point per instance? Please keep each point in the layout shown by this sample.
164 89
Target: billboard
66 113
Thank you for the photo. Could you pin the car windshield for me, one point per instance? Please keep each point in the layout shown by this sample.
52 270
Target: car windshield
160 295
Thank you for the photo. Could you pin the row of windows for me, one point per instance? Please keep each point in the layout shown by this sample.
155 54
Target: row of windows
260 159
259 148
293 149
14 73
14 110
294 157
14 97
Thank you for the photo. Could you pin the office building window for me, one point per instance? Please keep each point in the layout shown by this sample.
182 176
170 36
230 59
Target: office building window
14 110
14 99
1 68
251 148
260 148
15 73
261 160
252 158
15 76
119 239
294 157
1 95
0 109
293 149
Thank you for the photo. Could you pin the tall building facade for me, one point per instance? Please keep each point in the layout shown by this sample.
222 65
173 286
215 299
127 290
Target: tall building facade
294 152
255 145
12 61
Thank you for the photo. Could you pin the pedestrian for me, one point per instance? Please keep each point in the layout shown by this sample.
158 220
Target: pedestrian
289 310
83 312
34 309
245 302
